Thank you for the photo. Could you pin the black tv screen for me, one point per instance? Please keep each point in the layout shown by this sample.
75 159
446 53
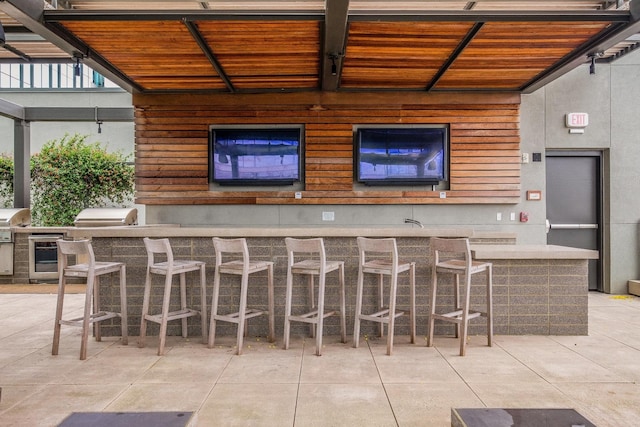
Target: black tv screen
402 155
255 156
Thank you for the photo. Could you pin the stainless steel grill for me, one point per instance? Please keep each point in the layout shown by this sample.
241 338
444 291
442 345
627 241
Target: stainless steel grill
18 217
106 217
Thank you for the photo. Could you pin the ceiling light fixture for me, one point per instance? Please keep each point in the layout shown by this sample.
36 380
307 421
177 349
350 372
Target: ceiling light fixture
77 67
593 57
334 67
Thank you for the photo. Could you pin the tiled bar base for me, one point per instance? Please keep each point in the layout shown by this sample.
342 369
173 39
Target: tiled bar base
531 296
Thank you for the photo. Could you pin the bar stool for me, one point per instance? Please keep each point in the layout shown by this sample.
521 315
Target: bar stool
91 270
390 266
459 266
242 267
308 257
169 268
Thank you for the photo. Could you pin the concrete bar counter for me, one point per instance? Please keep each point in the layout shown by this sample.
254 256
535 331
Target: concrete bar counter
537 289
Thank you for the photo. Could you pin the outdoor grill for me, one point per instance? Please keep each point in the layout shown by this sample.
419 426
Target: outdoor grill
20 217
106 217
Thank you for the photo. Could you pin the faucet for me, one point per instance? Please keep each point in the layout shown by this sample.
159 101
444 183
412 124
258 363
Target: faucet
413 221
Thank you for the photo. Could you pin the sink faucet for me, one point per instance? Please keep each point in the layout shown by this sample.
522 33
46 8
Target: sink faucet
413 221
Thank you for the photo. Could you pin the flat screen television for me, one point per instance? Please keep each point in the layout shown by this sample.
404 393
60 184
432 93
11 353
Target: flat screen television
402 155
266 155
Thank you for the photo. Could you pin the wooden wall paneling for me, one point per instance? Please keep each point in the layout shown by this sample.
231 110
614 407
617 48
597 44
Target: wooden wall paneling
172 148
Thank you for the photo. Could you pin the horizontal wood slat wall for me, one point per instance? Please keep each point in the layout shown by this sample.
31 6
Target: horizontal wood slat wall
172 139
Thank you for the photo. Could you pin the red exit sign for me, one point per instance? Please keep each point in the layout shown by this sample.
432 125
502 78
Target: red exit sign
577 120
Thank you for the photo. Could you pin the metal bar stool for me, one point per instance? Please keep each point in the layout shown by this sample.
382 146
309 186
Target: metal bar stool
242 267
314 264
91 270
169 268
466 266
388 265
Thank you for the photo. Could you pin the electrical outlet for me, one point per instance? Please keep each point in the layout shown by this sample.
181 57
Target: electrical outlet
443 194
525 157
512 216
499 216
328 216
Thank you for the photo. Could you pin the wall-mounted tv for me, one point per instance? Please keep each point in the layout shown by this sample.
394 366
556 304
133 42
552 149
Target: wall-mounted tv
402 155
255 155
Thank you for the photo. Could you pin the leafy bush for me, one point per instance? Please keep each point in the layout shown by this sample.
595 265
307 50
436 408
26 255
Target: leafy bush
69 175
6 181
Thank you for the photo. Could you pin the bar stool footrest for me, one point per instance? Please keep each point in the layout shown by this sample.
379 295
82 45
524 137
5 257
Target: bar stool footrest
93 318
234 317
456 316
310 317
382 316
172 315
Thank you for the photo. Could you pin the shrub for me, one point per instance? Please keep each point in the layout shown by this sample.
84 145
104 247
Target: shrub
6 181
69 175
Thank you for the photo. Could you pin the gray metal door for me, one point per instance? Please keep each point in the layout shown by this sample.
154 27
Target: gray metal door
574 200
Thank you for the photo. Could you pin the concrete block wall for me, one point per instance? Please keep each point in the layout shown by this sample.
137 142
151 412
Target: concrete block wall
530 296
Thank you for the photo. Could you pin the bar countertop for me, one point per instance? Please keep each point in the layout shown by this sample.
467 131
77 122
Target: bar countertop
531 252
267 231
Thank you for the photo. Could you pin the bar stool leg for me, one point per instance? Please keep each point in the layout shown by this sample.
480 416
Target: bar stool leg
489 273
319 326
464 324
165 313
412 303
393 287
203 304
145 310
343 306
356 321
271 301
287 309
183 302
88 301
456 299
381 301
59 306
214 308
97 330
432 306
312 326
123 305
242 312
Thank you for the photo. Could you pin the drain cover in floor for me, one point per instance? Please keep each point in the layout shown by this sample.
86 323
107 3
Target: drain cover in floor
492 417
127 419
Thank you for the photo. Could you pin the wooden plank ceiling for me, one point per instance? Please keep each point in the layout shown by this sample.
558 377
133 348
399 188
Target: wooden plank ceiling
271 46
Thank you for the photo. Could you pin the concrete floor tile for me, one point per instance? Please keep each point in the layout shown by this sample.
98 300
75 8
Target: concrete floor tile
606 405
53 403
179 369
415 364
340 364
231 405
161 397
429 404
539 394
263 363
343 405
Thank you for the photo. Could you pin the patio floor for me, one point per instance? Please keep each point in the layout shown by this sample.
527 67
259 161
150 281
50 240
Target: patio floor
597 375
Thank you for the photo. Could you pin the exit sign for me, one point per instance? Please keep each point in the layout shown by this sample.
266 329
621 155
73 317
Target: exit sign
577 120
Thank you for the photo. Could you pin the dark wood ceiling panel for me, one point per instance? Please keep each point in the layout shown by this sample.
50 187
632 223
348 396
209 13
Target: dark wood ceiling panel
398 55
507 55
157 55
266 54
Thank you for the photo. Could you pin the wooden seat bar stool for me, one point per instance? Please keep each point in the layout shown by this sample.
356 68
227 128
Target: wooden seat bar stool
86 266
466 266
308 257
169 268
225 248
380 257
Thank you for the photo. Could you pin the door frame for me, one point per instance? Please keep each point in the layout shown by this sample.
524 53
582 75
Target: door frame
600 156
